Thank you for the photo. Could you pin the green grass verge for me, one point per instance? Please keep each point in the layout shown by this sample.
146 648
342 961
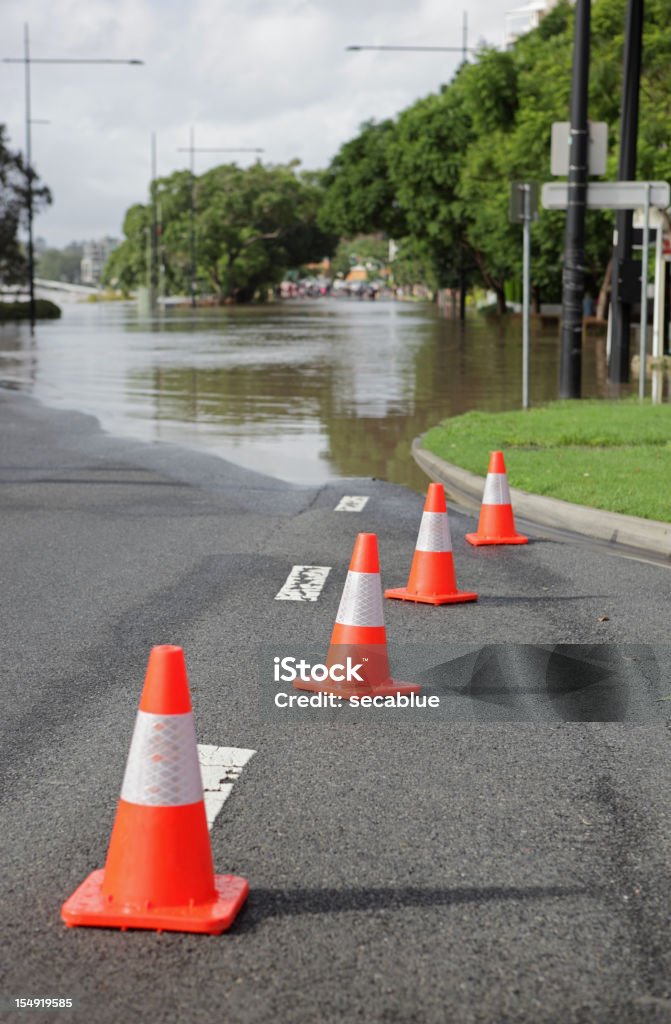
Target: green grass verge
610 455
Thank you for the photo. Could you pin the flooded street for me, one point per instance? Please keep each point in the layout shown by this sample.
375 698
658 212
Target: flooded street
306 390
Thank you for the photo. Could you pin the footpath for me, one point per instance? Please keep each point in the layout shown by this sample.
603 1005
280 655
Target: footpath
505 862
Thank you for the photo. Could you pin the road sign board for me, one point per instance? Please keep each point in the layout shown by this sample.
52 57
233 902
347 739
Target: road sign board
608 195
517 196
597 152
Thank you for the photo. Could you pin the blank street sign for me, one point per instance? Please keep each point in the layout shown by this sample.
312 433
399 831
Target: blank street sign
608 195
596 153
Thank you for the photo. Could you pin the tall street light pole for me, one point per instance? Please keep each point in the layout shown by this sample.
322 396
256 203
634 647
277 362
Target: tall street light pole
192 149
573 278
464 50
27 60
618 367
153 264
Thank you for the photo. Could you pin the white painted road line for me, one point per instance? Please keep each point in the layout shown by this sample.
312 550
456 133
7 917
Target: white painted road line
351 503
304 583
220 767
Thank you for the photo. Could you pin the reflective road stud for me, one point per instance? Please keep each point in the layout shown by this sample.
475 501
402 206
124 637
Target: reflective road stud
496 525
432 579
159 870
359 632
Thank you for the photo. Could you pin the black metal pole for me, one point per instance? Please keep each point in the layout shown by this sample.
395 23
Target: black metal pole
153 278
573 278
192 220
29 183
618 366
462 288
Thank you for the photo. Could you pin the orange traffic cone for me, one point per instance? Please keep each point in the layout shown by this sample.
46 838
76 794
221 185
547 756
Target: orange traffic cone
159 870
432 579
496 525
359 639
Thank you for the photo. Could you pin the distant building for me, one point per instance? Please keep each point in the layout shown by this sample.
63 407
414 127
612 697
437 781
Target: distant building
521 20
96 254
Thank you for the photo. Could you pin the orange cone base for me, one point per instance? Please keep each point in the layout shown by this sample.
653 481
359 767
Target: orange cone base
88 906
388 689
476 539
456 597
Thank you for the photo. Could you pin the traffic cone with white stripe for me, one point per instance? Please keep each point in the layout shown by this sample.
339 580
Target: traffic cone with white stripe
496 525
432 578
159 870
359 638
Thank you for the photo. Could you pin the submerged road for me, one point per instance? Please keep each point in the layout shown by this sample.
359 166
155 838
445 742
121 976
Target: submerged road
506 860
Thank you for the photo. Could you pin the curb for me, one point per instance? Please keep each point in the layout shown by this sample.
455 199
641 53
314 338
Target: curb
466 488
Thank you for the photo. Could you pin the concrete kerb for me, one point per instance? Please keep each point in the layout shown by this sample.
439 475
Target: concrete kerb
465 488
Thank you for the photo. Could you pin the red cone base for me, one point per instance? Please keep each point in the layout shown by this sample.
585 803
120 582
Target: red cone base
88 906
457 597
476 540
496 526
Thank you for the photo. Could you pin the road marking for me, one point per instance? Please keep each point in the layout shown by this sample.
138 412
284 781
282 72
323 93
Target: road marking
220 767
304 583
351 503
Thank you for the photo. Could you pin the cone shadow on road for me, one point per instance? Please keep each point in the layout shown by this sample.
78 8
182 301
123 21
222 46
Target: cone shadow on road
564 682
270 903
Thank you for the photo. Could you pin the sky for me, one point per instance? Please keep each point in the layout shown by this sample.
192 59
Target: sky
247 73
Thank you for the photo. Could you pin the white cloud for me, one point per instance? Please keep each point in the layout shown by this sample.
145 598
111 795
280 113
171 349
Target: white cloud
243 72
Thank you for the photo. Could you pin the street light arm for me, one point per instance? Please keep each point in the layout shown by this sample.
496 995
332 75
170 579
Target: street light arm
68 60
421 49
219 149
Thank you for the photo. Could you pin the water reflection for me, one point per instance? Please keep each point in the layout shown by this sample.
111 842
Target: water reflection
306 390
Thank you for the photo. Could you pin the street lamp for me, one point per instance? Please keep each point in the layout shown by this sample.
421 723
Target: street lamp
27 60
192 149
464 49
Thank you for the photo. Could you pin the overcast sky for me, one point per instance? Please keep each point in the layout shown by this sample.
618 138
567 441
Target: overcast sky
242 72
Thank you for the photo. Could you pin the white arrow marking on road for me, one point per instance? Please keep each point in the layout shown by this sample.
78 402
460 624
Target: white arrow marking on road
351 503
304 583
220 767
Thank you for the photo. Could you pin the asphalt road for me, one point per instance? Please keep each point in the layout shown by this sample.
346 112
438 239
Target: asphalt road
506 861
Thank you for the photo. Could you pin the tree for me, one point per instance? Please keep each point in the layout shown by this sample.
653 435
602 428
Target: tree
127 266
251 225
13 210
425 159
61 264
359 194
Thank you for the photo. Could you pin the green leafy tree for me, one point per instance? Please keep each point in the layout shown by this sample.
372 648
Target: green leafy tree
360 197
14 184
61 264
127 266
250 226
426 157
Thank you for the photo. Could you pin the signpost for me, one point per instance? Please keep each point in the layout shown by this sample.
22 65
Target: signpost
597 148
524 209
659 223
643 339
620 195
608 195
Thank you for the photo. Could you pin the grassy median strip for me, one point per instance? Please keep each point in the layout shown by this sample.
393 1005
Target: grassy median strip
610 455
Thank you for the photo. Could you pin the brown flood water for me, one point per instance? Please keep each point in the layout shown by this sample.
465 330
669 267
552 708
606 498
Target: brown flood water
305 390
